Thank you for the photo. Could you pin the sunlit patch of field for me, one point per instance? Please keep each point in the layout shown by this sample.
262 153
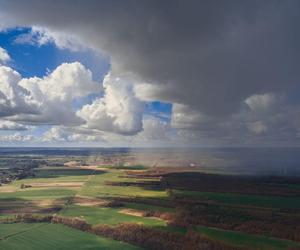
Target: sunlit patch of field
53 236
14 205
63 184
131 167
7 188
138 213
49 178
146 207
42 193
110 216
45 193
132 212
96 187
19 203
88 201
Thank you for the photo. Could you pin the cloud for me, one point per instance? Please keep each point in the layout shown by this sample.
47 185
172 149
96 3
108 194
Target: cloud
54 134
257 127
9 125
225 66
85 138
155 133
118 111
184 117
16 137
70 135
66 82
49 100
262 103
266 119
14 99
207 55
55 94
154 129
40 36
4 56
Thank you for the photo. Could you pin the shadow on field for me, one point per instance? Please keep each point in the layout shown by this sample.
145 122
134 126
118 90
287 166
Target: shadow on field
54 173
19 205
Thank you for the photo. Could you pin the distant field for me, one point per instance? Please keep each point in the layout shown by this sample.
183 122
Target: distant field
51 188
148 207
244 200
39 236
96 187
134 167
60 172
243 239
110 216
39 193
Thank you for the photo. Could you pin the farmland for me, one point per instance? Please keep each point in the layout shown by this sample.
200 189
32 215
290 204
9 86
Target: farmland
93 200
49 236
244 200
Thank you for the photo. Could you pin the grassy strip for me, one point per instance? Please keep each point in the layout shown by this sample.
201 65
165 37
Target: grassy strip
110 216
133 167
96 187
246 240
244 200
145 207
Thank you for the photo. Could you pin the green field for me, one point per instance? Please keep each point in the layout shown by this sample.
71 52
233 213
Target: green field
61 172
243 239
145 207
41 193
134 167
52 236
244 200
96 187
110 216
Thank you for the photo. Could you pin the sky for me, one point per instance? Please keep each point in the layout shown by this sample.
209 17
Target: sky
140 73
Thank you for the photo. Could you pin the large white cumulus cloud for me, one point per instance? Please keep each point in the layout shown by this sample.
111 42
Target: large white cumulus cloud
46 100
14 99
66 82
56 92
119 111
49 100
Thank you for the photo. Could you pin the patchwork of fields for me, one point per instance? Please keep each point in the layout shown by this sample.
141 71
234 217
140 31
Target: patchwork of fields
154 198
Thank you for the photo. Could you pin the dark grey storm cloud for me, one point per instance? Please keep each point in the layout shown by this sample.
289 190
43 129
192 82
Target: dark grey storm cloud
228 67
209 55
